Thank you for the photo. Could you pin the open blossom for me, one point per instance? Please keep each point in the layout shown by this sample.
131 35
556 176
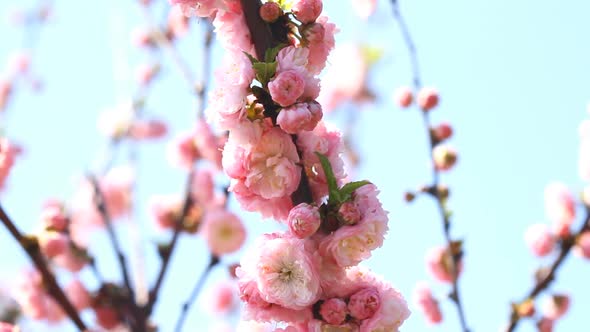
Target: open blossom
284 271
34 301
307 11
439 263
539 239
221 298
178 23
319 48
223 231
183 151
364 303
424 300
301 116
304 220
560 207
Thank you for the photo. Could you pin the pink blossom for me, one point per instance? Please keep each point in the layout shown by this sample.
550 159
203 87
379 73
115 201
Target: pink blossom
7 157
285 272
307 11
275 208
424 299
333 311
364 8
346 60
6 327
349 213
440 264
545 325
270 12
71 261
183 151
222 298
364 303
583 245
78 294
207 143
223 231
444 157
301 116
304 220
427 98
320 49
231 30
53 243
286 87
555 306
539 239
178 23
53 216
560 207
148 129
203 189
403 97
115 188
166 210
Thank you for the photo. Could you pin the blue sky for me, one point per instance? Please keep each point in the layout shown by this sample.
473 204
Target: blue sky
513 77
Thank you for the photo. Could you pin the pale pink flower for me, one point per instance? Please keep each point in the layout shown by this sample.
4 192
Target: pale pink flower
440 264
30 295
53 216
320 49
345 78
182 151
223 231
426 302
53 243
560 207
349 213
221 298
203 189
292 58
207 143
78 294
427 98
307 11
444 157
275 208
539 239
148 129
178 23
299 117
286 87
231 30
403 97
333 311
285 272
304 220
583 245
115 187
555 306
364 8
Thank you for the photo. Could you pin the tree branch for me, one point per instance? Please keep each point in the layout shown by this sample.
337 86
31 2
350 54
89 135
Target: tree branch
445 220
31 247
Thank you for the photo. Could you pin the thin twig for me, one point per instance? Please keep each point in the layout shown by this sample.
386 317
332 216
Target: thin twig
544 283
31 247
195 293
446 222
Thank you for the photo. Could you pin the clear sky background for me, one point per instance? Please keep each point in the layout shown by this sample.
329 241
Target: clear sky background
513 76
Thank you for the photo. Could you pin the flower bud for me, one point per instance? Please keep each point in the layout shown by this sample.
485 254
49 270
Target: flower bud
403 97
444 157
333 311
427 98
270 12
304 220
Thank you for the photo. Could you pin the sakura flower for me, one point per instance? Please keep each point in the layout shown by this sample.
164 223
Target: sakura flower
424 300
221 298
364 303
304 220
440 264
223 231
286 87
560 207
147 129
300 116
539 239
555 306
307 11
333 311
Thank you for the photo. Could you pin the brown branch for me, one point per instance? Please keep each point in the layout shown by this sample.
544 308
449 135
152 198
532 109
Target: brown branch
544 283
444 215
31 247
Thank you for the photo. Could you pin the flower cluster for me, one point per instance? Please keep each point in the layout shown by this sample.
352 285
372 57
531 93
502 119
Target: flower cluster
285 163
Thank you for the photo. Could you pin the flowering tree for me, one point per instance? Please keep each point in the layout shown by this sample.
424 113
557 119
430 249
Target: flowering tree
259 142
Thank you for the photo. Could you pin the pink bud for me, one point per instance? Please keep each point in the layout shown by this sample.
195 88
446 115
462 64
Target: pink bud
556 306
54 218
270 12
333 311
539 239
427 303
299 117
545 325
106 317
222 298
440 264
364 303
403 97
286 87
304 220
349 213
427 98
442 132
444 157
307 11
53 243
78 295
314 32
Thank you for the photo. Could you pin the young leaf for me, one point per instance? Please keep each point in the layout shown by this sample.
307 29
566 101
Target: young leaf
252 59
265 71
347 190
334 197
271 54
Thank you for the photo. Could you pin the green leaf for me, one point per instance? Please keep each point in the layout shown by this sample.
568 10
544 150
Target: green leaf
347 190
252 59
334 197
271 54
265 71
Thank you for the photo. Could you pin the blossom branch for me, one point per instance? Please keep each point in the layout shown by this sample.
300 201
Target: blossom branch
434 187
543 283
31 247
214 260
